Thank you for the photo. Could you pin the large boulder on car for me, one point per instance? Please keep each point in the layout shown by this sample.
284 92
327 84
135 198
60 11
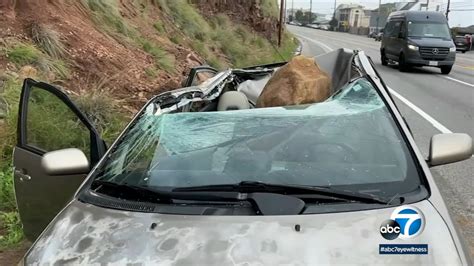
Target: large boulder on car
300 81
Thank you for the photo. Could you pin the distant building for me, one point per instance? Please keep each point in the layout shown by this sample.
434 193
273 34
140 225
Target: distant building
351 17
422 5
379 18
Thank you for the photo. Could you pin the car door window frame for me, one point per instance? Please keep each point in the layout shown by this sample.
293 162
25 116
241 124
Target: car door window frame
196 70
97 145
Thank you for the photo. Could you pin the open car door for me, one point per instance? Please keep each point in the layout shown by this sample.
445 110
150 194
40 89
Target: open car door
48 121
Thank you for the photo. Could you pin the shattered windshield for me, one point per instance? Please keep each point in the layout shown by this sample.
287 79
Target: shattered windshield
349 141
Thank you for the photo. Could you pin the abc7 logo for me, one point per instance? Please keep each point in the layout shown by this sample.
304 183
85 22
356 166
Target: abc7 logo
390 229
405 223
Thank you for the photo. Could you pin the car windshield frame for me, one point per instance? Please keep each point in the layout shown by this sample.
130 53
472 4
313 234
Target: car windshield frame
371 77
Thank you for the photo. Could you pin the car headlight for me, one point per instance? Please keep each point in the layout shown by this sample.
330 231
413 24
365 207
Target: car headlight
413 47
452 49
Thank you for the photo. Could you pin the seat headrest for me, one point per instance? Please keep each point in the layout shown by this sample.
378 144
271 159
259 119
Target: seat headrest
233 100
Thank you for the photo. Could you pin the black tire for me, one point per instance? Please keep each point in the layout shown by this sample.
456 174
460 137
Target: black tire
383 58
402 65
463 51
446 69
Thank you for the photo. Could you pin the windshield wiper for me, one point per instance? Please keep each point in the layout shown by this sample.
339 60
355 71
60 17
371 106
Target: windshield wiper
130 192
255 186
263 203
150 194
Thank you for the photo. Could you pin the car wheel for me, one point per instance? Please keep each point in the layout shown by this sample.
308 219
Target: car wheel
383 58
402 64
463 51
446 69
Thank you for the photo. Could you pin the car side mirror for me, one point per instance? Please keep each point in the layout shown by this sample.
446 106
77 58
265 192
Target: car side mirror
65 162
449 148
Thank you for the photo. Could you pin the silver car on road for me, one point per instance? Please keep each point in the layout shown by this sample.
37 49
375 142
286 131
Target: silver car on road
202 177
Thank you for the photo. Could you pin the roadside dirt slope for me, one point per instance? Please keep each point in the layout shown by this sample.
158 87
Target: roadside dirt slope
108 41
92 52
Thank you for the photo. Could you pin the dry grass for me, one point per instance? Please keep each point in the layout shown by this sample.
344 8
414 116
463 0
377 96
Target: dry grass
47 40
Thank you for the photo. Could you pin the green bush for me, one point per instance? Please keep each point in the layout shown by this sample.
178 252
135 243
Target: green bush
159 27
176 39
188 18
107 12
23 54
151 72
103 111
11 224
9 221
7 197
163 59
10 94
270 8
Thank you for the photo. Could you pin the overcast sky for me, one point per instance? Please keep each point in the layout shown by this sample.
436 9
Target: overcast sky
456 18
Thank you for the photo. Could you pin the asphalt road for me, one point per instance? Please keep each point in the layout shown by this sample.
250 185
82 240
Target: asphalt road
432 103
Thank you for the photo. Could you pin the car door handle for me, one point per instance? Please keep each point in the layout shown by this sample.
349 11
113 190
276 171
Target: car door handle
22 175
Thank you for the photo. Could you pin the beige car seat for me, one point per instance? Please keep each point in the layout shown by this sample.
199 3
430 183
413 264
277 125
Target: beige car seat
233 100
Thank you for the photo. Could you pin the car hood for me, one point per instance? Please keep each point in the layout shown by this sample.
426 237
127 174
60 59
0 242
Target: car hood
87 234
432 42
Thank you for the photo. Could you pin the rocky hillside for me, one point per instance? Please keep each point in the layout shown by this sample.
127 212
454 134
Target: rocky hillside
133 48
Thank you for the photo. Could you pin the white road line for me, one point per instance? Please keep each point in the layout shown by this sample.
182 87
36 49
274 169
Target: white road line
460 81
422 113
320 44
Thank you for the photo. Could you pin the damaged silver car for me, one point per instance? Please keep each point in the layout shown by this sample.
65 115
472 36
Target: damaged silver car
201 177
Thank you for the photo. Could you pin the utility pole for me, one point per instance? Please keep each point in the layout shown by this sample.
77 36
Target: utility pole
310 11
447 10
378 16
280 25
292 11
